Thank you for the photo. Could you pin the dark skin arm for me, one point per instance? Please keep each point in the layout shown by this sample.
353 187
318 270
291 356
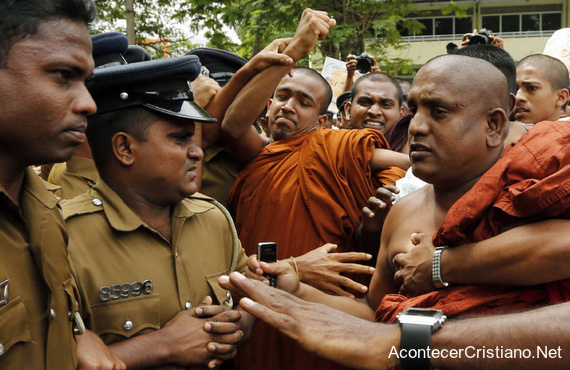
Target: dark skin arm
525 255
361 344
238 135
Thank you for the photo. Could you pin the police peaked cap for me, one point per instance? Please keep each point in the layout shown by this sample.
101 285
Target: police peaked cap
109 48
160 85
221 64
135 54
342 99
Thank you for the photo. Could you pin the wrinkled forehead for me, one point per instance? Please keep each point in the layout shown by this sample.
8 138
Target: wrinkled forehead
383 89
302 84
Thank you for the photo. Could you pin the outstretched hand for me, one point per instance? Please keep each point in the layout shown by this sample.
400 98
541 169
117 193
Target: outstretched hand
323 269
327 332
375 213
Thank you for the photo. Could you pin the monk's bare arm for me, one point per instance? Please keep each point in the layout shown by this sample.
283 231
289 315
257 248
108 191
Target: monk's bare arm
384 158
526 255
238 135
219 103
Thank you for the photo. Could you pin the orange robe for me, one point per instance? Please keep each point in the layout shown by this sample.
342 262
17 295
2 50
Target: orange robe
531 182
301 193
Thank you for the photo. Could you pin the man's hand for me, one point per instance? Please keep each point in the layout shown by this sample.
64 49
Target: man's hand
92 353
320 329
206 335
204 89
374 214
350 64
413 269
287 278
272 55
495 40
322 269
313 26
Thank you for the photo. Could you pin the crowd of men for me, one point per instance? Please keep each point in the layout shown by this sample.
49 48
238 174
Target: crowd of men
121 261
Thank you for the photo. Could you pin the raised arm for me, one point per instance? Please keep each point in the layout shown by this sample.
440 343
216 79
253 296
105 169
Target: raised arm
238 135
219 102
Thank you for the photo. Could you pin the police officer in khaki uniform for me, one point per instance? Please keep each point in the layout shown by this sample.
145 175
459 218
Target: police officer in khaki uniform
146 249
45 57
79 173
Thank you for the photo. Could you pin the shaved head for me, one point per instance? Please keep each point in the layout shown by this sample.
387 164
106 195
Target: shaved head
477 77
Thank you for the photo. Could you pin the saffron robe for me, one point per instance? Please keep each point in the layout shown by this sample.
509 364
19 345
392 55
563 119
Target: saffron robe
531 182
301 193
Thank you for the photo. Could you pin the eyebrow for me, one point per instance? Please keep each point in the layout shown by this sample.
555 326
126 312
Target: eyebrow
296 92
529 82
434 100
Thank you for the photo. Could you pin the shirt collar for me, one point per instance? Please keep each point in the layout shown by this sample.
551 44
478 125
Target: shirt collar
122 218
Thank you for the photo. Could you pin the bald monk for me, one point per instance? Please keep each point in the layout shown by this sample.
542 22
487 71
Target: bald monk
307 187
430 162
456 137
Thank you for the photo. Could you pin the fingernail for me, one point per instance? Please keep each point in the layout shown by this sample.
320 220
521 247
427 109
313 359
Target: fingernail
199 311
224 279
238 276
246 302
211 347
207 326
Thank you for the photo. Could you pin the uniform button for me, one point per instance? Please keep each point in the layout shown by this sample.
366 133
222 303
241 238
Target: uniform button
188 305
175 254
52 313
128 325
1 349
97 202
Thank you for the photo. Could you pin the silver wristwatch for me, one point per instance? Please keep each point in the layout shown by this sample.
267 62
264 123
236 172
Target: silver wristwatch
436 268
418 324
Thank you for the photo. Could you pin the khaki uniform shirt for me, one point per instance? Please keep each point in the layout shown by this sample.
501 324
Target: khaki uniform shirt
131 280
36 287
75 176
219 173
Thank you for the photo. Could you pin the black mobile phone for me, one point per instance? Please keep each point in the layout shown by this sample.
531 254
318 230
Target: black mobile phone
267 252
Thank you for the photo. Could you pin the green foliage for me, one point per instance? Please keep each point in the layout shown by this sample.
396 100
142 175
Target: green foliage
374 25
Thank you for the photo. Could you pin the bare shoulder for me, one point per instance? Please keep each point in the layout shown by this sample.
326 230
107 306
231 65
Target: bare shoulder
410 214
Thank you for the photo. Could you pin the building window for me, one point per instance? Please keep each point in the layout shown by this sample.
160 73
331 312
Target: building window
444 26
524 22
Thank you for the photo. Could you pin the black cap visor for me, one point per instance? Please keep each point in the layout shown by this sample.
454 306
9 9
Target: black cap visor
181 108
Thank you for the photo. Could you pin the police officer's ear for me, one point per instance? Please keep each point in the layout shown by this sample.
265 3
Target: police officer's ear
122 146
497 127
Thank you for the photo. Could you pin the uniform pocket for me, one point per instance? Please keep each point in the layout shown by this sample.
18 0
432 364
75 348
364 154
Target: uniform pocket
123 319
14 323
222 295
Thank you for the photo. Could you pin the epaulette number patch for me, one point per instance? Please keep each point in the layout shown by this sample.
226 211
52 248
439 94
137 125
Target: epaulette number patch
126 290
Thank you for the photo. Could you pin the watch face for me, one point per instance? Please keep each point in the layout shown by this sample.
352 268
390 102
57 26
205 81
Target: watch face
422 312
421 316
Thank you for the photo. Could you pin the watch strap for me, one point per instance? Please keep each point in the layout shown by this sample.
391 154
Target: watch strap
436 268
415 341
